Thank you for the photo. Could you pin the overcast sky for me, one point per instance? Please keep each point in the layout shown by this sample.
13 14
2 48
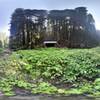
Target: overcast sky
8 6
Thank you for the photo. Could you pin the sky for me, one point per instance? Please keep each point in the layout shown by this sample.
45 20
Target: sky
7 7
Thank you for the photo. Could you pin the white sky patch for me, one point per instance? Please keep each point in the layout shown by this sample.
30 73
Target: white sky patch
97 26
5 30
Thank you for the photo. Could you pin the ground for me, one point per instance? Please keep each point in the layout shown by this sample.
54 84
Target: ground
45 97
59 71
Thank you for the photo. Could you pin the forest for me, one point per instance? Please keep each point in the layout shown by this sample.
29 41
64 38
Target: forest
28 67
50 71
73 28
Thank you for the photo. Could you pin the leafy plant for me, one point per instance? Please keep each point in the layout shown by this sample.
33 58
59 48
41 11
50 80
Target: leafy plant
26 69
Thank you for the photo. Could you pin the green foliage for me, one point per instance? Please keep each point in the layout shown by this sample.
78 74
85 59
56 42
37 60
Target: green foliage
6 87
1 44
97 84
37 70
1 50
62 64
45 88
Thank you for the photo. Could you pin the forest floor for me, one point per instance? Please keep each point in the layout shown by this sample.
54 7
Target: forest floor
46 97
5 53
50 71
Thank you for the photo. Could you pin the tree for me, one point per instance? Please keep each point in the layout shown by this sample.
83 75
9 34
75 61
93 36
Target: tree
69 27
1 45
17 27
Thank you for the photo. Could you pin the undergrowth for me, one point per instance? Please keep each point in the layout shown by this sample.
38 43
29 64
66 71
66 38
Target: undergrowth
41 70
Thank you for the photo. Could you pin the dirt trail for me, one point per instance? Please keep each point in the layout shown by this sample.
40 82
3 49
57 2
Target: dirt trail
48 98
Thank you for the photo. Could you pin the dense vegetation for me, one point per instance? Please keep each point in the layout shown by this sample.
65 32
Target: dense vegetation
52 71
1 50
69 27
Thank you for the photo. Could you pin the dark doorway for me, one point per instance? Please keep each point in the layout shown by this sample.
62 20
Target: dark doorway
50 43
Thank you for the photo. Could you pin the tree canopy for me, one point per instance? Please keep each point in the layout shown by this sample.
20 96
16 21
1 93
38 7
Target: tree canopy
69 27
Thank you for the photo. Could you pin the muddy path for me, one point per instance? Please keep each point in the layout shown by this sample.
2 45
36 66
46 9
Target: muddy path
48 98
